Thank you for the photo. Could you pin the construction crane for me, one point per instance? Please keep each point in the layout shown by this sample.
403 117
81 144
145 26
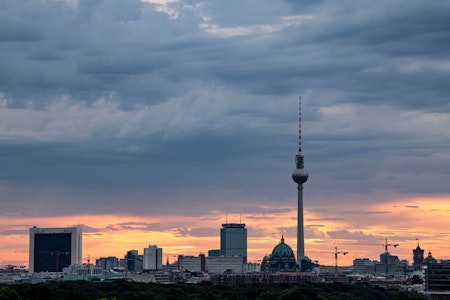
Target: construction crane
89 265
336 252
13 267
386 245
88 259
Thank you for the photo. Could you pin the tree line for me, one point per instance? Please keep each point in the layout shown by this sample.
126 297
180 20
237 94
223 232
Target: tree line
124 290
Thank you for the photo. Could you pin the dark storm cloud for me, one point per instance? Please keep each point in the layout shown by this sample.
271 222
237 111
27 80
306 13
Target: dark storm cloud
147 101
138 55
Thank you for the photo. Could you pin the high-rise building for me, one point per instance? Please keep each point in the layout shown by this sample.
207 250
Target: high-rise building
152 259
52 249
233 240
300 175
133 261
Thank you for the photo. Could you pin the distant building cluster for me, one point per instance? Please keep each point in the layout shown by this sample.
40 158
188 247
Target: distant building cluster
388 264
55 254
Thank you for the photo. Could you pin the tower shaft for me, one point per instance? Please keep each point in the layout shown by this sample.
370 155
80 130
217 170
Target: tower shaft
300 226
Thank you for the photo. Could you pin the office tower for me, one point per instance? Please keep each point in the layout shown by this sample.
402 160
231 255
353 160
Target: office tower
300 175
233 240
52 249
152 258
133 261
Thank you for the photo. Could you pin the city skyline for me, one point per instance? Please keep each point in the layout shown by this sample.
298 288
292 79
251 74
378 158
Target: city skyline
114 245
148 122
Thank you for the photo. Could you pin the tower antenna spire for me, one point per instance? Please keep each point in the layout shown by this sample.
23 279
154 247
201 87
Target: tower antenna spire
300 124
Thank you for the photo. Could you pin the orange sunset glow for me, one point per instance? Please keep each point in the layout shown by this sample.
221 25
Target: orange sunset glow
362 235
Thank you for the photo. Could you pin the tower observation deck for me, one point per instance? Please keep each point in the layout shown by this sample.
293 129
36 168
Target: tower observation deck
300 176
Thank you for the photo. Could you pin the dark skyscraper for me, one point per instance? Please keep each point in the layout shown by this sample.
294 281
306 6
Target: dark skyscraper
133 261
300 175
233 240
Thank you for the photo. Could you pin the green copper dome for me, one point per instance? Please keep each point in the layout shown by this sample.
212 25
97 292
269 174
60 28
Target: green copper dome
282 258
282 250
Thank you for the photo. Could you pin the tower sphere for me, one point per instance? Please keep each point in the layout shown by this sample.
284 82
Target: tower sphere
300 176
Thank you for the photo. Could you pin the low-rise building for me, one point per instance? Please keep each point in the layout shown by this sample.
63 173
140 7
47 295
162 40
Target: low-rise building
223 264
437 276
192 263
155 277
108 263
363 265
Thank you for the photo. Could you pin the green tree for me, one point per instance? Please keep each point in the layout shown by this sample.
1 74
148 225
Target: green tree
7 293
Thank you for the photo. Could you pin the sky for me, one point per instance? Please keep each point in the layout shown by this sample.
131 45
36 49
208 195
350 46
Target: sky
154 122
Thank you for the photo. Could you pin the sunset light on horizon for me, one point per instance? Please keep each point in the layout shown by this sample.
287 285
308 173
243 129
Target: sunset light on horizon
409 222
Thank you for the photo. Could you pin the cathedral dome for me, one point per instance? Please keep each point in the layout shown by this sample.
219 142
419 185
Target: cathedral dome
429 260
282 250
282 258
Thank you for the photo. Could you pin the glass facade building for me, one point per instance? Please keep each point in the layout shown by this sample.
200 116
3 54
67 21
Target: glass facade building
233 240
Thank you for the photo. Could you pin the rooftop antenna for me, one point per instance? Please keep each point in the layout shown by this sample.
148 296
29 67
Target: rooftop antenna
300 124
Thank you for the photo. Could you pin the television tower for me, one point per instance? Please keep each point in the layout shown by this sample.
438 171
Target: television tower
300 175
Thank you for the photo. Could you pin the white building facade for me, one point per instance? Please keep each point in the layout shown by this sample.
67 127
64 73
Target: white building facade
152 258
